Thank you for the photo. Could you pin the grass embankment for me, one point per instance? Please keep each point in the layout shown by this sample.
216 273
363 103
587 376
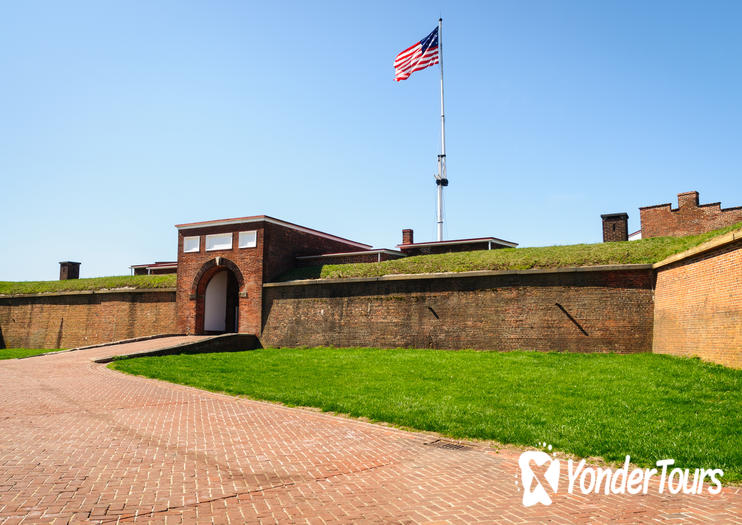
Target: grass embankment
94 283
649 406
644 251
14 353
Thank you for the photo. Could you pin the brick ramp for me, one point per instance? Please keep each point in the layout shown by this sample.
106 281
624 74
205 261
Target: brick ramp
196 345
82 443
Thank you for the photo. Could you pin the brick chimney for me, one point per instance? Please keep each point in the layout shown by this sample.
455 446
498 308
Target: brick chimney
615 227
407 236
689 198
69 270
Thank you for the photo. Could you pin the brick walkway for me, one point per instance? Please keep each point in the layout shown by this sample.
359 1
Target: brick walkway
79 442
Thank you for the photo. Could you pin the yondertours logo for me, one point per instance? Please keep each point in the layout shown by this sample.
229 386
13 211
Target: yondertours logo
540 473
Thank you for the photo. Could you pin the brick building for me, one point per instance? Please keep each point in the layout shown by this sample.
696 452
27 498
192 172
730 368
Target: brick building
662 220
155 268
689 218
365 256
410 248
223 264
615 227
69 270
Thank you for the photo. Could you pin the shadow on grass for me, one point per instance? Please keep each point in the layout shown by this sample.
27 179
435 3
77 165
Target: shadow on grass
307 272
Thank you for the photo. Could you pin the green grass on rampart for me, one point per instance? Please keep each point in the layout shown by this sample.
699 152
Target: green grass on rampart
645 251
94 283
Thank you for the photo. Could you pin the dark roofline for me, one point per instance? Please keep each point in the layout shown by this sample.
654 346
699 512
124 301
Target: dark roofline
271 220
460 241
160 264
350 254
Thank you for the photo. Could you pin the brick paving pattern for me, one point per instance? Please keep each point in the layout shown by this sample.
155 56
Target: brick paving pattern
81 443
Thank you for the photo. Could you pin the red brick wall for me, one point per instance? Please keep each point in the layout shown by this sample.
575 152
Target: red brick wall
698 306
72 320
688 219
610 310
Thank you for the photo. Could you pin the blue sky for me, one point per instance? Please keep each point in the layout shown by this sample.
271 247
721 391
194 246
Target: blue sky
120 119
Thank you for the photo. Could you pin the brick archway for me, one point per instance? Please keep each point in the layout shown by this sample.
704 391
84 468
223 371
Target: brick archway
208 270
200 283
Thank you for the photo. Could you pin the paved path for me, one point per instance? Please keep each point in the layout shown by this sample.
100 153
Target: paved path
81 443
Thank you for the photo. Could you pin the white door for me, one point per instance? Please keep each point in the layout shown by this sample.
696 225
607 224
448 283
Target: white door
215 304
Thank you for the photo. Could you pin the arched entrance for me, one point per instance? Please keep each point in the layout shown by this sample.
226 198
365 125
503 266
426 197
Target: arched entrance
221 303
217 290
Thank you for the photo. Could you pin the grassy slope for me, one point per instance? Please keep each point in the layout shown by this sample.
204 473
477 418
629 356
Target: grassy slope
643 251
649 406
94 283
637 252
13 353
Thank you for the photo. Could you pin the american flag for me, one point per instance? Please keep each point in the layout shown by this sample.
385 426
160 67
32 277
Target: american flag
416 57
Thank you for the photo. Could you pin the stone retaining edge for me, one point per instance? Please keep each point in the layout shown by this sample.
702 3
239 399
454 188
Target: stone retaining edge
87 292
454 275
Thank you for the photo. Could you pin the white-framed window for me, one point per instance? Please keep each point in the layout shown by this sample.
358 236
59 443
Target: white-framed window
191 244
218 241
248 239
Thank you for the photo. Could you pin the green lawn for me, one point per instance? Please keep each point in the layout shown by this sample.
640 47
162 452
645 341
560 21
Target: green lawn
93 283
13 353
607 405
631 252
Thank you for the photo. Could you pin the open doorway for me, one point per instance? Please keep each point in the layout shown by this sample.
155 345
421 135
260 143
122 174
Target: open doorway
221 303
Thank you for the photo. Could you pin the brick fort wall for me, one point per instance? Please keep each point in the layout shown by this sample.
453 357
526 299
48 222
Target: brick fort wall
690 305
79 319
698 306
608 310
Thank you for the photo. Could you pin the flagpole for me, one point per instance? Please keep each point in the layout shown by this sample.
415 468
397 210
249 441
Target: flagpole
441 179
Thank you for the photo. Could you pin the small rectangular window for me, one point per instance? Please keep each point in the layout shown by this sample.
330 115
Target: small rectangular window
219 241
191 244
248 239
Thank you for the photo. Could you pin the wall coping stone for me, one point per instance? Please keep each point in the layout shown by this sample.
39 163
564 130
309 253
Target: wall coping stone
87 292
716 242
476 273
